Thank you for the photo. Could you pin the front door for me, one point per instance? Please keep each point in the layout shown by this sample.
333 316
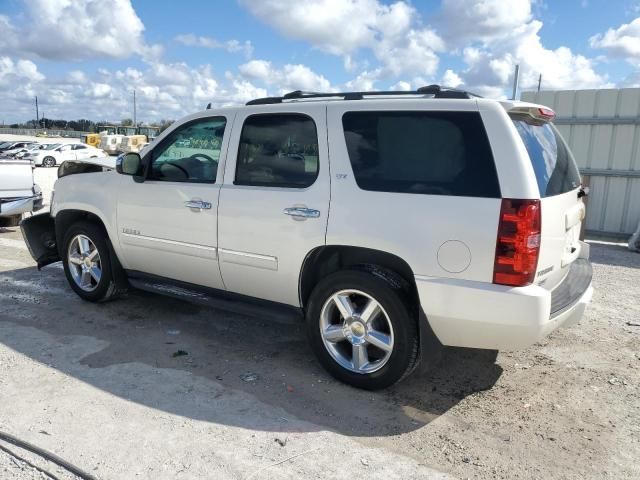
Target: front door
167 225
275 200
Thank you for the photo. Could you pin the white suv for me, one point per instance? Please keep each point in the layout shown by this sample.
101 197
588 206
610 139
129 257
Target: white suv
395 222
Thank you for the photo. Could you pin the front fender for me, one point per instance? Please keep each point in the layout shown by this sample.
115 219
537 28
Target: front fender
89 193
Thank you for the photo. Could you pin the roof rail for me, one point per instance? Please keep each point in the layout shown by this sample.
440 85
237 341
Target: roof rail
436 90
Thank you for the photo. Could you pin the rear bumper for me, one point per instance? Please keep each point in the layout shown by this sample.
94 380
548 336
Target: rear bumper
10 207
481 315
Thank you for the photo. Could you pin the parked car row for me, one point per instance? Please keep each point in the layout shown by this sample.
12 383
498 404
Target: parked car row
52 154
19 193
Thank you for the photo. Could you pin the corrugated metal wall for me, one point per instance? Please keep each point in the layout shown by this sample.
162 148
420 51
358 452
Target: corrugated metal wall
602 128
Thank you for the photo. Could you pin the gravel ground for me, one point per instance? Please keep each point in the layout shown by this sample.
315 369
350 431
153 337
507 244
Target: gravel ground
101 381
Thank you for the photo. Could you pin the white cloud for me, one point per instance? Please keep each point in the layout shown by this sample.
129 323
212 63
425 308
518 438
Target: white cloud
364 82
623 41
498 35
12 72
76 77
230 46
73 30
451 79
401 86
412 53
481 20
335 26
163 90
285 79
100 90
392 33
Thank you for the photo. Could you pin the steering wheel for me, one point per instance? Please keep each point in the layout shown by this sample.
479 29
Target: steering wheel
202 155
179 167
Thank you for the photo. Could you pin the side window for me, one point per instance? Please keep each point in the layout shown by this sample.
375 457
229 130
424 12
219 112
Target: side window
433 153
79 147
278 150
190 153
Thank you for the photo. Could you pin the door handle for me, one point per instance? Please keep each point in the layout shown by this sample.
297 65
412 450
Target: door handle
302 212
198 204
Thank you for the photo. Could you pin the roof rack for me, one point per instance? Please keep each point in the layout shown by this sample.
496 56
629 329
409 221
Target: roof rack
436 90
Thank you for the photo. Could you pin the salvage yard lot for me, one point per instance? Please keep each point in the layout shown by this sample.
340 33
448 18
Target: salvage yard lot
99 385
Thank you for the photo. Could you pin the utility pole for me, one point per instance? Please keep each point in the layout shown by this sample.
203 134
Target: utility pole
539 81
135 120
516 78
37 114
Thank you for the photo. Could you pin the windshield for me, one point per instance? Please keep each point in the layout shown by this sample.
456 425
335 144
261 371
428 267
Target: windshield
555 168
51 147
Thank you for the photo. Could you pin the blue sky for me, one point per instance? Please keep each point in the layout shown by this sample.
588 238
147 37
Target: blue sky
84 58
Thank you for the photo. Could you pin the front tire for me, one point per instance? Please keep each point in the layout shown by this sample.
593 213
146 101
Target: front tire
362 329
49 161
86 258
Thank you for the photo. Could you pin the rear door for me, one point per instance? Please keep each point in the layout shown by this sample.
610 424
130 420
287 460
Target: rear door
81 151
562 209
65 152
275 200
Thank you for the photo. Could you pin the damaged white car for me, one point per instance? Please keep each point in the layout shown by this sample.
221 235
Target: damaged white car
18 192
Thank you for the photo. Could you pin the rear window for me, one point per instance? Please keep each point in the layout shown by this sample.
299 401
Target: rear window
433 153
556 170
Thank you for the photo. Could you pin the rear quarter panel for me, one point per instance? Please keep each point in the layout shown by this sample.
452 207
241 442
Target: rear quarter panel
414 227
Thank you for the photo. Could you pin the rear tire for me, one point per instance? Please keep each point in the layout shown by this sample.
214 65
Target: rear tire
86 258
362 329
49 161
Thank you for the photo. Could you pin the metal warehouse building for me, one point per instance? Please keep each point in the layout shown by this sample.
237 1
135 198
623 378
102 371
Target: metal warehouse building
602 128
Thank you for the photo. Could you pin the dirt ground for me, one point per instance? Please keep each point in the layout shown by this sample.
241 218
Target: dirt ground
99 385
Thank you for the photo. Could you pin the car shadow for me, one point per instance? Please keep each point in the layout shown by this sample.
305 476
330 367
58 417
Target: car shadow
268 359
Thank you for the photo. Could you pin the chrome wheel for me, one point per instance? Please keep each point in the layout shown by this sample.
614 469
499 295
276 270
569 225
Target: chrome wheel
356 331
49 162
84 263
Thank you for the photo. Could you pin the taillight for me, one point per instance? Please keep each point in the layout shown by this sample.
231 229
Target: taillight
518 243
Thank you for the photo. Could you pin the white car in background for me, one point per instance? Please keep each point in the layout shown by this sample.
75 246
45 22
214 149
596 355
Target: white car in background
8 148
55 154
31 149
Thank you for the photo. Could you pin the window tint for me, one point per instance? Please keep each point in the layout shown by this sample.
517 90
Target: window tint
556 170
190 153
278 150
79 147
435 153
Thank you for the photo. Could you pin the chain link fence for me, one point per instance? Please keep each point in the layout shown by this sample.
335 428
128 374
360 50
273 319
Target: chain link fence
49 132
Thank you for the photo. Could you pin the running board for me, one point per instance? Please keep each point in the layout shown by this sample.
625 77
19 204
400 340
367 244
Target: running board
210 297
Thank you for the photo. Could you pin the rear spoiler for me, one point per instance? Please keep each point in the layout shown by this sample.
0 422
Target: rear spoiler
71 167
534 113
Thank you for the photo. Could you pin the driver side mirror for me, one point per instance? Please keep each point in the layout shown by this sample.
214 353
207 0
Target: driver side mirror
131 164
